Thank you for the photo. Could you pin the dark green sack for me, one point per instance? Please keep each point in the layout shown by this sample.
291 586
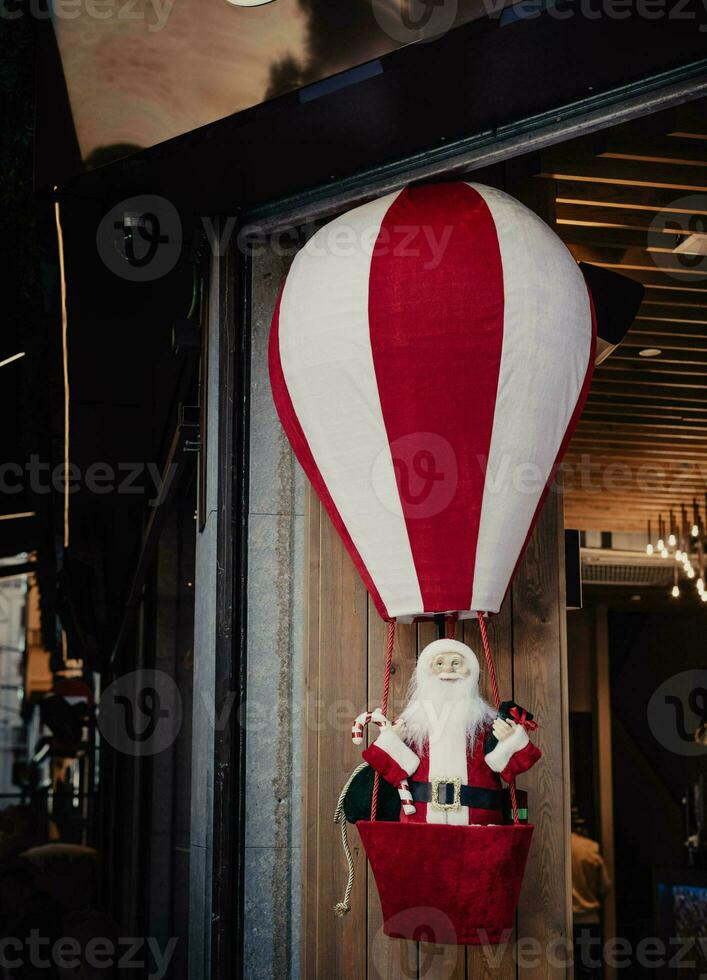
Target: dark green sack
357 801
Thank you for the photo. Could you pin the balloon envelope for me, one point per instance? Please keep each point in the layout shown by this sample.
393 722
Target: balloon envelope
429 357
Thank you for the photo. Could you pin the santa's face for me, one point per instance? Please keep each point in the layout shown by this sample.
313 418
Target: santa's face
444 694
449 667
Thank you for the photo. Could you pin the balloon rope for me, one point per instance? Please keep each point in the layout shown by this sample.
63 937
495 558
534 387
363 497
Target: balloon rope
497 699
384 705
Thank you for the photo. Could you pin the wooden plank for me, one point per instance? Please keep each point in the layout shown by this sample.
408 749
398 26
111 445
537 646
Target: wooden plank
633 508
605 789
495 962
627 173
662 449
540 683
663 415
343 674
668 419
624 379
607 237
689 307
675 268
675 152
617 433
388 959
638 399
310 802
629 197
646 272
687 294
602 216
653 323
438 962
651 332
636 514
606 388
609 505
628 354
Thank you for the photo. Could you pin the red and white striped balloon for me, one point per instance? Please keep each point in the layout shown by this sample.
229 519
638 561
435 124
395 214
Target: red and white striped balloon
429 357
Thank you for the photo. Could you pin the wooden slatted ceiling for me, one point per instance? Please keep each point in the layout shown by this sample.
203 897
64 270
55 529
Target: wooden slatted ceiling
641 444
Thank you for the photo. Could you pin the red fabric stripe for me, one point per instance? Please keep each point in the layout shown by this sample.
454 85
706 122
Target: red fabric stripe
298 441
437 374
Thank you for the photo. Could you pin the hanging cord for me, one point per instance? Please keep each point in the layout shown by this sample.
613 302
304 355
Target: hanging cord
341 908
451 627
384 705
497 699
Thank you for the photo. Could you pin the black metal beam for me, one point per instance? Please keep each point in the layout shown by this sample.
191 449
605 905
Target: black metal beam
481 78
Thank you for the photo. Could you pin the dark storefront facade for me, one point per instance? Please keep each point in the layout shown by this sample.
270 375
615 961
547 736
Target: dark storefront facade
198 566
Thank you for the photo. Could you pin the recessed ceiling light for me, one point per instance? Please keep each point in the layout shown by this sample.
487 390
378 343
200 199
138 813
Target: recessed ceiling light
650 352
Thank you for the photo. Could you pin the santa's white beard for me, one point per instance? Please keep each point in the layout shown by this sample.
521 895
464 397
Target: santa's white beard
445 716
449 710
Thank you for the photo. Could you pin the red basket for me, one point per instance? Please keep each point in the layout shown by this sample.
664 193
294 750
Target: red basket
445 884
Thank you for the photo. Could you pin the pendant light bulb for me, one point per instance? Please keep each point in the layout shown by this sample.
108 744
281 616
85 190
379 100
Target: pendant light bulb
690 572
695 530
664 552
679 555
649 549
700 583
675 592
672 540
661 545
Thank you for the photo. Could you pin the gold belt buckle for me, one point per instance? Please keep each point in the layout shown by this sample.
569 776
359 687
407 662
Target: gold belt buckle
437 781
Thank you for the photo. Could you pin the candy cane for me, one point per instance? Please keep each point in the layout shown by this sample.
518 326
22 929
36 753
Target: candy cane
378 718
365 718
405 795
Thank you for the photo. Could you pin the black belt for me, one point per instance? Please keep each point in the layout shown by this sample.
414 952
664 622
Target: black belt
473 796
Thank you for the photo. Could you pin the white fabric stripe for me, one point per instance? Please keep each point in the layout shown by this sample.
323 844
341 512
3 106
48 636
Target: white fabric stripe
327 363
547 336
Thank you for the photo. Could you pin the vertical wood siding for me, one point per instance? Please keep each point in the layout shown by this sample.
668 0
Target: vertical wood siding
345 648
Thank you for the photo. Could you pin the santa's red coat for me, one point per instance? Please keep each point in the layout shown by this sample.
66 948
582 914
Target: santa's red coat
479 774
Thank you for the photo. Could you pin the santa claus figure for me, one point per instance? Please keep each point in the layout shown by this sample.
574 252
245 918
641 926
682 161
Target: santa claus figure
450 744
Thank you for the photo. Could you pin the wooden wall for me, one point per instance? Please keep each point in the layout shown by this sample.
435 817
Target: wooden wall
344 650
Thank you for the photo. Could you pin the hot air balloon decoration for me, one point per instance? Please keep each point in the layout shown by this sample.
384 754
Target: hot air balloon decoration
430 354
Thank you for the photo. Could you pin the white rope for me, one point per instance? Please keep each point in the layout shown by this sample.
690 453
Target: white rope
341 908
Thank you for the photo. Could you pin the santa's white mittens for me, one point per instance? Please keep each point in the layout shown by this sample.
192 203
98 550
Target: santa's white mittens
391 757
513 755
500 756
